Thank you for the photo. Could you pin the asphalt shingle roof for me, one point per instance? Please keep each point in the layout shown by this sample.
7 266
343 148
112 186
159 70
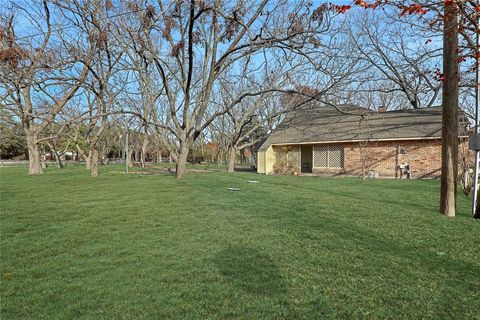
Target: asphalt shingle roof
328 124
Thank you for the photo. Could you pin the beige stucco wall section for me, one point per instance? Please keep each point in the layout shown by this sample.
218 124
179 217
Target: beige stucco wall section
269 160
265 161
261 161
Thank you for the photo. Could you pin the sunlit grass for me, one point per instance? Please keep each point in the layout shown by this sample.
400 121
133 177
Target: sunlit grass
150 247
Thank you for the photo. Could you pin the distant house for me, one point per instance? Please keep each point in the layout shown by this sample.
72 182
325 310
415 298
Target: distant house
354 141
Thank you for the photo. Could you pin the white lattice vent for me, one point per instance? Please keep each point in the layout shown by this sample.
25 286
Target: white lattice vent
328 156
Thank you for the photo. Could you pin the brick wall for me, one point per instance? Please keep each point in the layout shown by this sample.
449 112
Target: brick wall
423 156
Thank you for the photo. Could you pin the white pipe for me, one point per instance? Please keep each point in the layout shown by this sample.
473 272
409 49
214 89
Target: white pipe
477 107
127 154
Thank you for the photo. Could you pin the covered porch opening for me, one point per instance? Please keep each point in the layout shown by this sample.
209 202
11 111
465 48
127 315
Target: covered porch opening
306 162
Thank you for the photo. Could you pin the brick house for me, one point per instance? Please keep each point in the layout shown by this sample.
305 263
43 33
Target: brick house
351 140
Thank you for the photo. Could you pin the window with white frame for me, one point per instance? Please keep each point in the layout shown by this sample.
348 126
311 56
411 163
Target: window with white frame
328 156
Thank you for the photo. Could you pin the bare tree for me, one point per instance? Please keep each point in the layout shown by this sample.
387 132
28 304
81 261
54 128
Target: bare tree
40 75
192 43
399 65
247 120
104 81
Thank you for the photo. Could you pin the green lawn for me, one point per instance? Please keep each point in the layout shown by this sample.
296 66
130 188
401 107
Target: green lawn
151 247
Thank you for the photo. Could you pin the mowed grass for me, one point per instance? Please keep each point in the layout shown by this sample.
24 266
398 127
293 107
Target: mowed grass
150 247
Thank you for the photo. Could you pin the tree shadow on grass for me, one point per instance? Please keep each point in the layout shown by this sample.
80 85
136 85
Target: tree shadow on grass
250 270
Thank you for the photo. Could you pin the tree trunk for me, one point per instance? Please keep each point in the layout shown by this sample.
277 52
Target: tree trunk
144 151
159 157
42 159
94 163
142 160
58 159
202 150
231 159
88 159
130 158
137 156
34 157
54 151
220 158
82 154
448 188
181 161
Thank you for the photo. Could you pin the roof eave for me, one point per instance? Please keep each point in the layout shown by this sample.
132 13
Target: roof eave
266 144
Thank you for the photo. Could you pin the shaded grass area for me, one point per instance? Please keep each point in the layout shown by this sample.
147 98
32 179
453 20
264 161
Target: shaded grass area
150 247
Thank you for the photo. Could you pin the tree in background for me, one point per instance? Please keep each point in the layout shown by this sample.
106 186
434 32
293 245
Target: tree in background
191 44
12 138
39 77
